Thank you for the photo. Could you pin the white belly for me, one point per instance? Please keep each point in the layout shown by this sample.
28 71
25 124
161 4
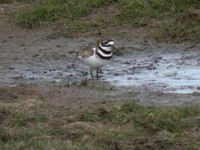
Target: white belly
95 62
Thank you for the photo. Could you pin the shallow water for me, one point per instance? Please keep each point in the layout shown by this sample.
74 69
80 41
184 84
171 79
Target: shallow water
164 70
187 81
169 73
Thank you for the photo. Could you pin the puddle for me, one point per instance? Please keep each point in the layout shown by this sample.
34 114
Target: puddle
182 82
40 74
168 71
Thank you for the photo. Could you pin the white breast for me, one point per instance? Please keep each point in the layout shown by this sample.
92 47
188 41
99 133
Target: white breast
95 62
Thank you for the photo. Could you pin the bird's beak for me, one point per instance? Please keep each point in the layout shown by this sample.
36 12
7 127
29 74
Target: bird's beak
111 43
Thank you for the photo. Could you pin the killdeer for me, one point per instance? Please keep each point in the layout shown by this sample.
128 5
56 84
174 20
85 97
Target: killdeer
97 55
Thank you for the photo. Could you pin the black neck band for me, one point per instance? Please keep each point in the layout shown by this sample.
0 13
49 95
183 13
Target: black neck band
103 57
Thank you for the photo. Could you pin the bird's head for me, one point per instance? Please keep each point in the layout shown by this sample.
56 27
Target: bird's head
107 43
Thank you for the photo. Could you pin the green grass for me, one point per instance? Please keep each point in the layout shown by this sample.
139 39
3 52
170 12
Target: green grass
6 1
23 120
51 10
185 27
13 1
145 123
132 12
152 119
122 126
130 9
156 8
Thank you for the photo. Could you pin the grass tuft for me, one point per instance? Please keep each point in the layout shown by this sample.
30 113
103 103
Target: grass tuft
51 10
123 126
13 1
147 118
185 27
137 13
21 120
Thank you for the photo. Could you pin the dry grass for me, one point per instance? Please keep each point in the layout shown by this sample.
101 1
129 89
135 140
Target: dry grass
35 124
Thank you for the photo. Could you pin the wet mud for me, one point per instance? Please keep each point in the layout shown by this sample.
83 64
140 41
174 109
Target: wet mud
144 71
163 69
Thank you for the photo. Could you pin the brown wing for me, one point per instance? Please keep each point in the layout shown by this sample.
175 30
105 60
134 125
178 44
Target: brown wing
87 51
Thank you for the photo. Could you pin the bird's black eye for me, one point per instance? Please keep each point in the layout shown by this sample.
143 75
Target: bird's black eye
107 43
104 43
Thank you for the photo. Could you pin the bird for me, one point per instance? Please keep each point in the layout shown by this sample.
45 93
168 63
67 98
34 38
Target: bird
97 55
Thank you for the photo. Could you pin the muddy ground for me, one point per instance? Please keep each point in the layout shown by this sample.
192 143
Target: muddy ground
36 66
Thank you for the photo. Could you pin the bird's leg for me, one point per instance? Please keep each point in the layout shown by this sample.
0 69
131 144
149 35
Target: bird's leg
97 73
91 73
